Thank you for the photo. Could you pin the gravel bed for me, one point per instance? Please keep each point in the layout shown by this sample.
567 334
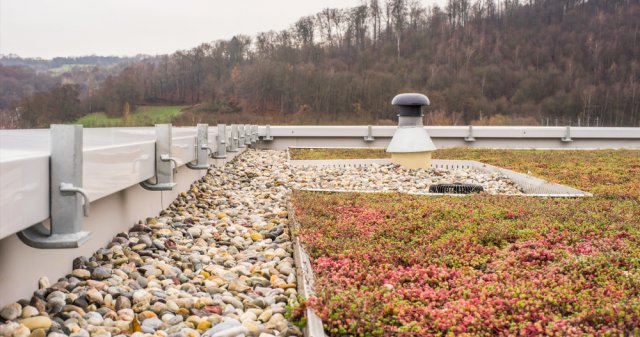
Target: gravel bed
217 263
390 177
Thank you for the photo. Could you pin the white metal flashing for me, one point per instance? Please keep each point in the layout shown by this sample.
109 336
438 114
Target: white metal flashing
522 132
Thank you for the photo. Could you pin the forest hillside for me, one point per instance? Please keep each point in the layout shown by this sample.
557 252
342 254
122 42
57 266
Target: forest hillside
506 62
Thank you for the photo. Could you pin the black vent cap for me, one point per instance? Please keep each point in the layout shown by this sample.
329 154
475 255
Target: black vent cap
411 104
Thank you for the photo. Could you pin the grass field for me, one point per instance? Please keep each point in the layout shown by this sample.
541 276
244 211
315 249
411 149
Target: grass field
69 67
144 116
346 153
399 265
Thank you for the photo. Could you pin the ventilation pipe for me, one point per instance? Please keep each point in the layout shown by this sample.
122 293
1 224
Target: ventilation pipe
411 145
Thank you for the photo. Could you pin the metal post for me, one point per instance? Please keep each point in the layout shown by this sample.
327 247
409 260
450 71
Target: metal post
249 140
567 135
221 142
254 134
247 135
267 133
241 136
233 138
164 170
469 137
202 149
66 194
369 137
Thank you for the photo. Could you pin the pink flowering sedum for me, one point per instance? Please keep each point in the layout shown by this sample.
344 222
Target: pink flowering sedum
398 265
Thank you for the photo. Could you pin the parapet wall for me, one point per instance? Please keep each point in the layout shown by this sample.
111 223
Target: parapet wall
505 137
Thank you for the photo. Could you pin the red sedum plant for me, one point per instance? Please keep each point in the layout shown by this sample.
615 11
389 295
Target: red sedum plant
399 265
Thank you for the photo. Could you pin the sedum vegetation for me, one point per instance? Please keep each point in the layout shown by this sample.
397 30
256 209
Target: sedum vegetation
393 264
612 174
336 153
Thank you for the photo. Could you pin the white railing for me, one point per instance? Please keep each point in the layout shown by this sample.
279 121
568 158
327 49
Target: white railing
113 159
460 136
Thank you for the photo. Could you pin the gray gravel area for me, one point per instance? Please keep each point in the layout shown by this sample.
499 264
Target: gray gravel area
389 177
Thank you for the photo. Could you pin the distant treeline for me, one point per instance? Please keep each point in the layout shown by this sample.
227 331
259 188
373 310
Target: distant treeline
57 62
483 62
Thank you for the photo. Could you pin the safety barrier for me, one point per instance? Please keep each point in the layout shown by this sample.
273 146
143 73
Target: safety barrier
513 137
55 174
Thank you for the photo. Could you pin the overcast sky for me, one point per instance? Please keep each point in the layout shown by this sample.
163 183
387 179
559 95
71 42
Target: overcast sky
49 28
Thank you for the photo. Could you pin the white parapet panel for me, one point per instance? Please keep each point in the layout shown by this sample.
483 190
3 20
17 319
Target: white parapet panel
24 179
24 189
116 158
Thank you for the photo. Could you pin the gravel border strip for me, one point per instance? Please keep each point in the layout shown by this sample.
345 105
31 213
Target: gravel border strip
304 273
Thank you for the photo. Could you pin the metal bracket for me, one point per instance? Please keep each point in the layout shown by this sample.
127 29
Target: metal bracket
248 137
369 137
254 134
164 171
68 189
267 133
233 139
567 135
221 142
66 195
469 137
241 143
202 149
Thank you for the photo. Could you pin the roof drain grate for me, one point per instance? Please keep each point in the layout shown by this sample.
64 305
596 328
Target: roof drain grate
455 188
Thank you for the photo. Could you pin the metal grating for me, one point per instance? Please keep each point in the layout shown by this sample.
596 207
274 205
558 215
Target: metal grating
531 186
456 188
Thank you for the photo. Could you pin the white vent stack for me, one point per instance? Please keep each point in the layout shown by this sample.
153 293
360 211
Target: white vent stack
411 145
